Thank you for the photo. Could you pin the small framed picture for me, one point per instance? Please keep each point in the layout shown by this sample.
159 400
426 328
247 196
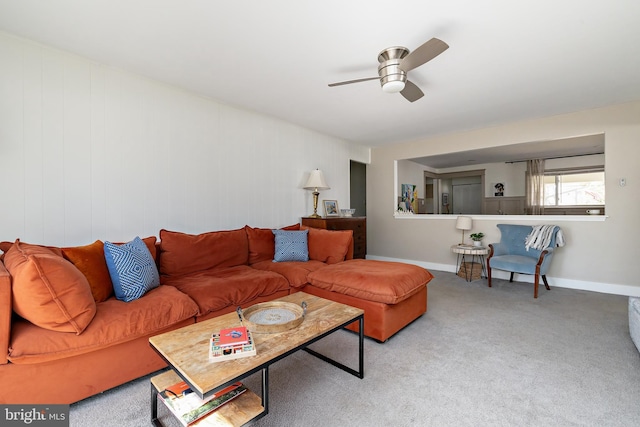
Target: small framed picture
331 208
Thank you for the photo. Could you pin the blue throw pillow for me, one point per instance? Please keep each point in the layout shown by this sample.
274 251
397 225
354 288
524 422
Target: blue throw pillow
132 269
291 245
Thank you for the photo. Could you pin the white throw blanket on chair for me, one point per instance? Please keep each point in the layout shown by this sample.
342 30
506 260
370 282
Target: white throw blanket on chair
540 237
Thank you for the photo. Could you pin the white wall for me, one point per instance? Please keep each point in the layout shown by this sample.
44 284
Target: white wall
90 152
599 255
512 175
411 173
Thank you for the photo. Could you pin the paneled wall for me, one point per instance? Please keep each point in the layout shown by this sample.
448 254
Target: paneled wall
90 152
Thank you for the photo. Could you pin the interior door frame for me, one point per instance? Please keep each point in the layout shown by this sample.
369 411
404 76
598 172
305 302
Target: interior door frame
358 187
449 175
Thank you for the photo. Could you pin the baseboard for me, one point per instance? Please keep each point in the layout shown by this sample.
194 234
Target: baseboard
605 288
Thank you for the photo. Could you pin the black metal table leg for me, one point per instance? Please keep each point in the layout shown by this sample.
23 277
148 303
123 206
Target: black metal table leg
265 390
360 372
154 407
361 328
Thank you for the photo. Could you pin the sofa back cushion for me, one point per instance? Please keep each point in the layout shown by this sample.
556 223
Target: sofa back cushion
48 290
5 246
329 246
132 269
90 260
182 253
262 243
291 245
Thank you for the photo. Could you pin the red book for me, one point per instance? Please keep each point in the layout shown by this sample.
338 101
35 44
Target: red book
233 336
179 389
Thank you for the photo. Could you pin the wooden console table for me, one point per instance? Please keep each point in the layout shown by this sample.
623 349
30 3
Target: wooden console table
357 223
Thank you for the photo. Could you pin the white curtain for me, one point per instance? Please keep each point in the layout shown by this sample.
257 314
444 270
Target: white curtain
535 186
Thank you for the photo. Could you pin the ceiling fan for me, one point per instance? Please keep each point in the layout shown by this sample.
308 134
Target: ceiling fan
396 62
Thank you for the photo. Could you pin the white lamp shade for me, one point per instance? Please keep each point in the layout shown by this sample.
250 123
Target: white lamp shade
464 223
316 181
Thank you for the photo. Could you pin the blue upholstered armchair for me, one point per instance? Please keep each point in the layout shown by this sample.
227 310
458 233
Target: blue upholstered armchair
511 253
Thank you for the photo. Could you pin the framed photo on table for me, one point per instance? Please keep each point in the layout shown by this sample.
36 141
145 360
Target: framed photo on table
331 208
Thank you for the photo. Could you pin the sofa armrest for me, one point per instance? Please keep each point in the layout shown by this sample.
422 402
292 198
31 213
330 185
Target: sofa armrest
5 313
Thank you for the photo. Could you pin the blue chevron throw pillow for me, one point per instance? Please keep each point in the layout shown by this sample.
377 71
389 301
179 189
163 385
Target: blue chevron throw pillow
132 269
291 245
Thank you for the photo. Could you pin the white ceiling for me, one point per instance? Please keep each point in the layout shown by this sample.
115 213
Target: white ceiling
558 148
508 60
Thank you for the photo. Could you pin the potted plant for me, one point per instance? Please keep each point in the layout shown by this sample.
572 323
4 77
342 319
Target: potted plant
477 238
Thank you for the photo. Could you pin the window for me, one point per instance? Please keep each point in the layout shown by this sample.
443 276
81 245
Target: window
574 187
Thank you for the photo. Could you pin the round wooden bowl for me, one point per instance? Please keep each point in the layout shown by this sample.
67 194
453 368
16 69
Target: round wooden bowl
273 317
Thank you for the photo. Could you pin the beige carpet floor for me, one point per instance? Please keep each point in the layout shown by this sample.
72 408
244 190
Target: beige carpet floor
479 357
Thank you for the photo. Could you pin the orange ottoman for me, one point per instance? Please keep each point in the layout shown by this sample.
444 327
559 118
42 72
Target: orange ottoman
392 294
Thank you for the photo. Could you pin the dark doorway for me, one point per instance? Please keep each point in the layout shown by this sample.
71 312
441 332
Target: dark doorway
358 178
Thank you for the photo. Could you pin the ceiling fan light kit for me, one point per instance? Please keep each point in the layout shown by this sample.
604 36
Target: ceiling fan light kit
396 62
392 78
393 86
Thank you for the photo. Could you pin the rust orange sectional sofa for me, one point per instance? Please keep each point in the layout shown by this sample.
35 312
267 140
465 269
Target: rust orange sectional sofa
67 337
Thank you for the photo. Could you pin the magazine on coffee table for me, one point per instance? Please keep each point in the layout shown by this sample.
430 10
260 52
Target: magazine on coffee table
189 408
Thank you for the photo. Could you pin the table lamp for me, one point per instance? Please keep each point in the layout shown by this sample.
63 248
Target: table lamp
463 223
316 182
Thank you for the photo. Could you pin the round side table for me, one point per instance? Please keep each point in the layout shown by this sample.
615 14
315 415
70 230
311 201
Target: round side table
478 252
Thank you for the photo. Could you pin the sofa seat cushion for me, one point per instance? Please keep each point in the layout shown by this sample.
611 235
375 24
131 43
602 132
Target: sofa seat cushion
219 288
295 272
115 322
379 281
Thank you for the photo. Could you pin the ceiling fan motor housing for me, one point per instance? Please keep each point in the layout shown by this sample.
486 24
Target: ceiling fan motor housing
392 77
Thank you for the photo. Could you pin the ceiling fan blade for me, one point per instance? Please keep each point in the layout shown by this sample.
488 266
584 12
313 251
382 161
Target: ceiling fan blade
353 81
411 92
426 52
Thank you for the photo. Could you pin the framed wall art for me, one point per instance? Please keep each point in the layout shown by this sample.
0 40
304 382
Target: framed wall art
409 198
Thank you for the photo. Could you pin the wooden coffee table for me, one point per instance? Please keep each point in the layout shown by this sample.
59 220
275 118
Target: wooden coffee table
187 353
